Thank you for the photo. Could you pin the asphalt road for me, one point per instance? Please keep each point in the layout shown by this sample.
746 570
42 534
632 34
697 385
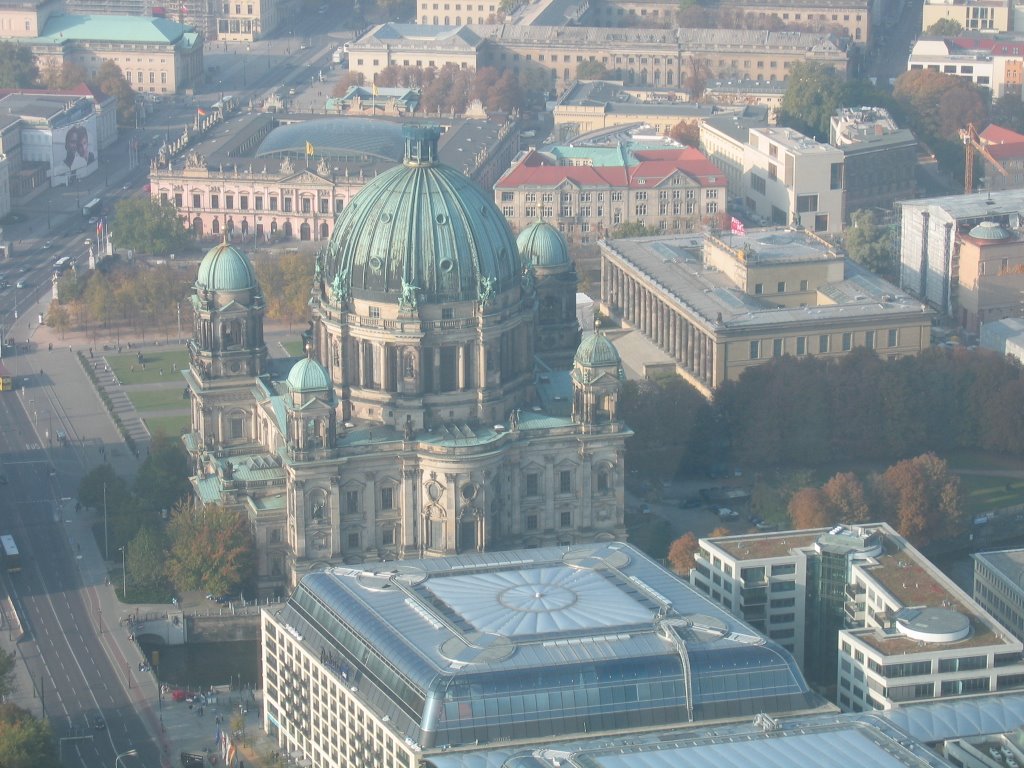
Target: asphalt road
64 655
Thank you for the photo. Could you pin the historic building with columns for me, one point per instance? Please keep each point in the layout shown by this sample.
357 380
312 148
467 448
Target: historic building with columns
719 306
418 424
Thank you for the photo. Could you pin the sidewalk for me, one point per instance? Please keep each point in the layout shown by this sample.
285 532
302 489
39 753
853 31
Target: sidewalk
55 380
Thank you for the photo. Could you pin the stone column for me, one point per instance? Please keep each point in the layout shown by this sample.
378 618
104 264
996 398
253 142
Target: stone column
462 367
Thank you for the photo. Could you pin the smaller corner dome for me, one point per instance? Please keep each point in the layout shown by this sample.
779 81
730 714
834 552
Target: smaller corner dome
308 375
989 230
597 351
543 245
225 268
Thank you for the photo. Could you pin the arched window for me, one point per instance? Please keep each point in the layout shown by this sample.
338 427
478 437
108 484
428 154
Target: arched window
215 227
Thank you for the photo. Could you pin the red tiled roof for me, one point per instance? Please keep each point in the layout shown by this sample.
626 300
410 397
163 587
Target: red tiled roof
538 170
1002 143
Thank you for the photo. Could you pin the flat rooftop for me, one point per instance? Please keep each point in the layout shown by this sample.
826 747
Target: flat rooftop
795 141
1008 562
675 265
977 205
763 546
825 741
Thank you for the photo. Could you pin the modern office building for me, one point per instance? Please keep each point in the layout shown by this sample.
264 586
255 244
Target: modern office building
880 159
156 55
718 306
862 603
588 191
419 423
999 586
654 57
723 138
929 246
972 15
395 664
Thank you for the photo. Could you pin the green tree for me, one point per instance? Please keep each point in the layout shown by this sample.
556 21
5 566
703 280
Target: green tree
8 685
811 97
944 28
870 244
671 423
25 741
111 81
145 558
17 66
102 485
591 69
148 225
162 480
211 548
1008 112
58 318
633 229
61 76
939 105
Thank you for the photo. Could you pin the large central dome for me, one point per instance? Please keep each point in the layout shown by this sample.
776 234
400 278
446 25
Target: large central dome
421 232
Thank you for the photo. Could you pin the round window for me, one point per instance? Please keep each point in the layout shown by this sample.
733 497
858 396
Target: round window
446 265
385 217
376 263
469 491
441 218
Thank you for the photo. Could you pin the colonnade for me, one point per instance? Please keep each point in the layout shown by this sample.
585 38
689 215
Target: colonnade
659 320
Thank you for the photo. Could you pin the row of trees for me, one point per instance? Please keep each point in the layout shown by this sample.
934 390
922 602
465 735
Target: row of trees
124 295
202 547
858 408
19 69
450 89
919 497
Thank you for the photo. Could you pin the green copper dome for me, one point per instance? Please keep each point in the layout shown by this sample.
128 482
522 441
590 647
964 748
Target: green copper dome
597 352
420 232
225 268
989 230
543 245
308 375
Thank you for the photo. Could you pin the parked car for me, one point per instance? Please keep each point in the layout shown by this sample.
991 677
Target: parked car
727 514
99 723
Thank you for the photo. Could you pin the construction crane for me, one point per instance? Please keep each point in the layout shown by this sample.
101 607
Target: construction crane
972 143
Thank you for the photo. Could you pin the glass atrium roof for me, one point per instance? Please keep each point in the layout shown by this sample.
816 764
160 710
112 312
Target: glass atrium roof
337 137
536 643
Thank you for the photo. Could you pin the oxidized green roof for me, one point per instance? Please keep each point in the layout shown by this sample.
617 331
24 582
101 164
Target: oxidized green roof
597 352
124 29
308 375
543 245
420 232
989 230
225 268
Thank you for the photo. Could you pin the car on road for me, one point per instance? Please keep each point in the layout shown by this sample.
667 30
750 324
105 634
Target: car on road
126 186
47 245
727 514
99 723
20 284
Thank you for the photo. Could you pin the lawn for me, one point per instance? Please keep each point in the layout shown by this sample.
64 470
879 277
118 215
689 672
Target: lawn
162 364
168 425
984 493
159 400
294 348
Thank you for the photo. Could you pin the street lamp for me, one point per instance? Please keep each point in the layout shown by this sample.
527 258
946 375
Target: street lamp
124 573
129 753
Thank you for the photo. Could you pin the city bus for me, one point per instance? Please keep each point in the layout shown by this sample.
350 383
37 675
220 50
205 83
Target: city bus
93 208
12 559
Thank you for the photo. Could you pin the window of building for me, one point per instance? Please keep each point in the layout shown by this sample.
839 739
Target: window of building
869 339
229 202
286 204
803 285
352 502
782 287
806 203
836 176
783 586
773 171
757 183
801 345
196 200
258 202
243 202
565 481
387 537
755 350
353 541
894 337
602 481
821 222
777 346
215 202
758 289
532 484
374 312
273 203
565 519
531 522
824 344
847 342
387 498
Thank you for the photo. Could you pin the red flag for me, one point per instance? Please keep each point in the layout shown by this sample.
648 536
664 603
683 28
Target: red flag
737 227
202 112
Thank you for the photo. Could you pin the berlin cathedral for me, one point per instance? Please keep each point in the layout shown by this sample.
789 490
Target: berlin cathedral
444 404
